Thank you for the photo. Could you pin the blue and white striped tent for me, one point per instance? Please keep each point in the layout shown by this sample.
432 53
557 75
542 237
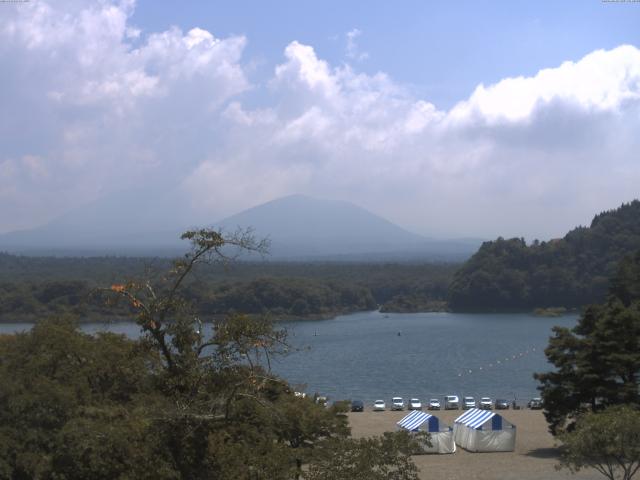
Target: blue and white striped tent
440 435
484 431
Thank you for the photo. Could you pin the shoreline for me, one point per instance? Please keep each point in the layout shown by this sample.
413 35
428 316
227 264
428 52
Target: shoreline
33 319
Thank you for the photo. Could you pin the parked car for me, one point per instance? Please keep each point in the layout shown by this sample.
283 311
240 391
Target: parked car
397 403
468 402
379 406
357 406
414 404
485 403
535 403
434 404
451 402
322 400
502 404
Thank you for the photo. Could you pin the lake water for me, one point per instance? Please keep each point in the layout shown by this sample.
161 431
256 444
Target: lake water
372 355
362 356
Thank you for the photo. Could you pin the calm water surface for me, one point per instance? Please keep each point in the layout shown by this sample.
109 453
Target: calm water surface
362 356
373 355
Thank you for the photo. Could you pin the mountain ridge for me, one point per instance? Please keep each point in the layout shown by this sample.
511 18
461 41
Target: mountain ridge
300 228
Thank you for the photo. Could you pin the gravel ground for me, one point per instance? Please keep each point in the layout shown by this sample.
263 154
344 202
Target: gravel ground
535 456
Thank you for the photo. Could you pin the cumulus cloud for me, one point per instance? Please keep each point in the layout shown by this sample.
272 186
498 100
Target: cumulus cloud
93 105
601 81
103 106
496 163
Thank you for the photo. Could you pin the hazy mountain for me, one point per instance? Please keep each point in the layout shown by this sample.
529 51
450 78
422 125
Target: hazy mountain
304 227
299 227
315 225
129 223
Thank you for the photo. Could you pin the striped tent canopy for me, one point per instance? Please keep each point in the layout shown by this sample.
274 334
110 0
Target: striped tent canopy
475 418
440 435
484 431
414 420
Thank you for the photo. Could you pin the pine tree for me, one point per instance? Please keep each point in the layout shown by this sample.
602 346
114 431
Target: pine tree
598 361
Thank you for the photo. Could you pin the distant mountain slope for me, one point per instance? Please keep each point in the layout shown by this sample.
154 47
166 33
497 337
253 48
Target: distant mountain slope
314 226
131 222
316 229
570 272
300 228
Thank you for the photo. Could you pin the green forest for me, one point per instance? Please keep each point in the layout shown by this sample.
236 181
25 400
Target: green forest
504 275
34 287
569 272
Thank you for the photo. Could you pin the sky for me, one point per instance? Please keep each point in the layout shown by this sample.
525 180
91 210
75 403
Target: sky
451 119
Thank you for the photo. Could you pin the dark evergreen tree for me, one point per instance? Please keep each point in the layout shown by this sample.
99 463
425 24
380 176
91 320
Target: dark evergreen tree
598 361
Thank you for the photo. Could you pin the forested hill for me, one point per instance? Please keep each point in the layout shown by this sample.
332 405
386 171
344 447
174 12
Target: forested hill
33 288
568 272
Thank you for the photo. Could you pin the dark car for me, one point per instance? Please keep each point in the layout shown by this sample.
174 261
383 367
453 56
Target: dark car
502 404
357 406
535 403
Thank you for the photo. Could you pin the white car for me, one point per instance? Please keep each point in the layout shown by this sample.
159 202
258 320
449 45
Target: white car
397 403
451 402
379 406
468 402
434 404
485 403
414 404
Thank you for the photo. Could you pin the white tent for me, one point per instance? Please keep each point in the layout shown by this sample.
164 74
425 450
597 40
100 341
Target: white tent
440 435
484 431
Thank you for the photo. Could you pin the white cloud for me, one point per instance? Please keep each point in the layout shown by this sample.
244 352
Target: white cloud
353 50
93 105
106 113
517 147
601 81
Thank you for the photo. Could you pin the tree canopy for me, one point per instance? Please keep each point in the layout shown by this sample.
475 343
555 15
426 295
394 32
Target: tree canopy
598 361
177 403
569 272
607 442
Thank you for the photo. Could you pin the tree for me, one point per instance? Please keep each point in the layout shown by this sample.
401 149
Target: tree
608 442
378 458
227 401
76 404
165 317
184 401
598 361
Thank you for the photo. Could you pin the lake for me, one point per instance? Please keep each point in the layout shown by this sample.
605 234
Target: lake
372 355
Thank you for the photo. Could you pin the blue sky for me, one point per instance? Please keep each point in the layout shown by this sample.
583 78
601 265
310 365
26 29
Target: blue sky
449 118
442 50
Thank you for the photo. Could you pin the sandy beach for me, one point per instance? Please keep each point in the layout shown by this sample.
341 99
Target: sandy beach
535 456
